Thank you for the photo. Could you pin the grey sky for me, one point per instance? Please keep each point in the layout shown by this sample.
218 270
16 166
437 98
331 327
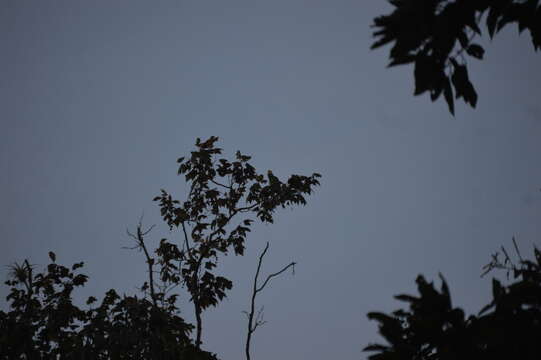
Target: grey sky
99 98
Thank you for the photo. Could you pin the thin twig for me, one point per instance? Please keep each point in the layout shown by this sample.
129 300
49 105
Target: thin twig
517 250
276 274
219 184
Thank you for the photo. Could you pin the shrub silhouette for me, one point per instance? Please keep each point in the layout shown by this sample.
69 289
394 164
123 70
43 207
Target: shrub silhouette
507 328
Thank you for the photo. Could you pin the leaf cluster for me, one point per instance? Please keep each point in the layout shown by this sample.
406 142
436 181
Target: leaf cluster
507 328
435 35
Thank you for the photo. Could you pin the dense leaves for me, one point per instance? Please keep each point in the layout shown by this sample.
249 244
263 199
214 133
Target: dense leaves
507 328
435 35
224 199
43 322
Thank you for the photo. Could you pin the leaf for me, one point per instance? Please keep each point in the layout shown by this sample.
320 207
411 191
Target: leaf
463 86
445 292
476 51
77 265
448 94
80 280
52 256
91 300
407 298
422 74
492 20
537 254
406 59
381 317
376 347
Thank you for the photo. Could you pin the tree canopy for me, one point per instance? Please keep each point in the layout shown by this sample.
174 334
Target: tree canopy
437 36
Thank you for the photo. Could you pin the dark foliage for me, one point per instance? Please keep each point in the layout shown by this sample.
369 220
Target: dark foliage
436 36
43 322
221 192
507 328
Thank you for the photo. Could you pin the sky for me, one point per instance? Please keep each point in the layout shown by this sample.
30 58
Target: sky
99 98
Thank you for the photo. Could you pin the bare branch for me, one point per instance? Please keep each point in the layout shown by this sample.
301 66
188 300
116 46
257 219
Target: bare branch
517 250
254 323
219 184
139 238
292 265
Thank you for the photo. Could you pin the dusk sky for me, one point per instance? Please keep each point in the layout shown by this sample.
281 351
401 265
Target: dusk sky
99 98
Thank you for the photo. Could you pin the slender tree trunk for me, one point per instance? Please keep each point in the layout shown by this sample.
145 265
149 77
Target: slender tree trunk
251 328
251 319
199 324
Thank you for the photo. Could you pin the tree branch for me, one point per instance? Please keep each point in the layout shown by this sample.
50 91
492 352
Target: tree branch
276 274
140 245
186 241
219 184
252 325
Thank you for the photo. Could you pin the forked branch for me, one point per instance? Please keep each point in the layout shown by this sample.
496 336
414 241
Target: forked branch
255 320
139 239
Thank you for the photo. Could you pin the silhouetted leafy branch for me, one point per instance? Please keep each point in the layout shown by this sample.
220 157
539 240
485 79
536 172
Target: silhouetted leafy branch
434 35
220 192
507 328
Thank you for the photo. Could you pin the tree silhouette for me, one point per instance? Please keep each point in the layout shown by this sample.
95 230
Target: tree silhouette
509 327
44 323
436 36
221 191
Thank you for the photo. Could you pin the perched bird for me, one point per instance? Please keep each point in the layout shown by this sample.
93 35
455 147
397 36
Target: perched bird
209 143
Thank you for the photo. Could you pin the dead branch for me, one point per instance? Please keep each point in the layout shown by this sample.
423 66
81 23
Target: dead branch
139 239
255 322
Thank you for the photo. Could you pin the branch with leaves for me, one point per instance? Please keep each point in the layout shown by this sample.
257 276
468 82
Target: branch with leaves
432 328
225 198
434 36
